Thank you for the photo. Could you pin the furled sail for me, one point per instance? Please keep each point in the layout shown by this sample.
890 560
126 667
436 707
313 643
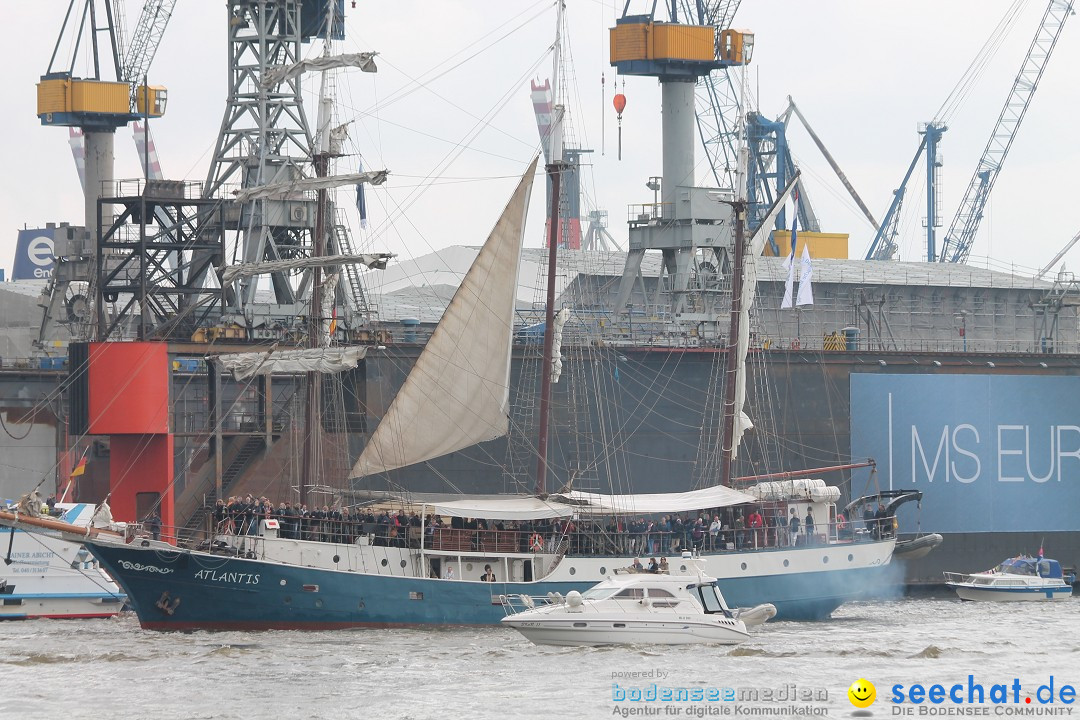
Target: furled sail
458 393
375 261
749 291
710 497
294 187
280 73
323 360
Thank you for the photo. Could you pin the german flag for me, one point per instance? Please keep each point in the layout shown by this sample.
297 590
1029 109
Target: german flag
79 469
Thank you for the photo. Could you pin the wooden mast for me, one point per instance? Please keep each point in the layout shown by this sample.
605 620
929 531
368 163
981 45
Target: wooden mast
731 368
554 169
312 462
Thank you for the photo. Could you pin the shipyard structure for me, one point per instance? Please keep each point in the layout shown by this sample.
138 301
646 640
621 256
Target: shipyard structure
957 380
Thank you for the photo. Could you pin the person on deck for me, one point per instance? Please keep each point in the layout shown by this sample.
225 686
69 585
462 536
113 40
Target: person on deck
809 523
488 576
755 522
793 528
882 519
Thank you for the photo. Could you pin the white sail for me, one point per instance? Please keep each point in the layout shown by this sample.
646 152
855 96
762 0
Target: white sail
652 503
280 73
324 360
458 393
375 261
295 188
749 292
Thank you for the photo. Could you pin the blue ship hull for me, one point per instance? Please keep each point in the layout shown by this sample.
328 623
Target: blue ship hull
181 590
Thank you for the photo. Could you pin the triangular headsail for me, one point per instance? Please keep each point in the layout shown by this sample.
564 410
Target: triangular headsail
458 393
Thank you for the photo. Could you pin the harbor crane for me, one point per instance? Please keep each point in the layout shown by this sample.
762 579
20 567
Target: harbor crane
958 240
108 98
93 108
884 246
961 234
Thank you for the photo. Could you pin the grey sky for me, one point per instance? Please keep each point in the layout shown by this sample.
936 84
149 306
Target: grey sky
864 73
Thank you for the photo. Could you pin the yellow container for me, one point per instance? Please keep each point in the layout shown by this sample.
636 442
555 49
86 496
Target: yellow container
95 96
64 95
822 245
52 96
683 42
630 42
652 41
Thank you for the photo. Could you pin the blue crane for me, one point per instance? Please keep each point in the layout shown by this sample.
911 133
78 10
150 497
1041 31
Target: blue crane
884 245
961 234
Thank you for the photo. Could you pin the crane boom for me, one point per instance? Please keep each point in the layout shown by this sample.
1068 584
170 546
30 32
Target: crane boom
716 98
961 235
884 245
833 164
1057 258
144 42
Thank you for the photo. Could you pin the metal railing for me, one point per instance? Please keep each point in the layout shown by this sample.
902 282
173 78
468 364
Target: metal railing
242 533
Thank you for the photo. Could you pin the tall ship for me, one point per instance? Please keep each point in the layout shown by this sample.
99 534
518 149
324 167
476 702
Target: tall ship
952 377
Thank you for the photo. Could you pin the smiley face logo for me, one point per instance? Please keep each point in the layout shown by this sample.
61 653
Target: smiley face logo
862 693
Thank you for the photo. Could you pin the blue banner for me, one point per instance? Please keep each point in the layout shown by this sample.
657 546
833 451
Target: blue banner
34 259
992 453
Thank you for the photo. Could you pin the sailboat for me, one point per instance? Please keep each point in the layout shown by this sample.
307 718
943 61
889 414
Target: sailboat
458 395
492 548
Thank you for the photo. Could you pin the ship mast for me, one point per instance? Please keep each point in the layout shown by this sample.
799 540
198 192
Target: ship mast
312 463
554 170
731 368
732 362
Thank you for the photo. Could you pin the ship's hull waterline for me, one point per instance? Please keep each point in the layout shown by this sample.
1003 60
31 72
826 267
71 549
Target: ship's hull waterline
178 589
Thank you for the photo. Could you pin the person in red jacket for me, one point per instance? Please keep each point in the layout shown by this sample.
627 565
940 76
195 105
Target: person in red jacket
755 522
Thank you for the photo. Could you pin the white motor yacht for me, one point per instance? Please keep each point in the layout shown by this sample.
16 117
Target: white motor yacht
638 608
1016 579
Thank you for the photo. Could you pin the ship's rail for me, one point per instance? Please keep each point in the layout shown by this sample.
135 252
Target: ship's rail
233 536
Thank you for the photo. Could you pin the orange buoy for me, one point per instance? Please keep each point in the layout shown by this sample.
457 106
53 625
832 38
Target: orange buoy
619 101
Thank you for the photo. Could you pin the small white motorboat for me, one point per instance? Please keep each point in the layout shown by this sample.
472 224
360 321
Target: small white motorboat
1019 579
638 608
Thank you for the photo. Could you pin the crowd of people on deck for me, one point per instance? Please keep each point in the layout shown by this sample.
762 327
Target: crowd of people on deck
730 528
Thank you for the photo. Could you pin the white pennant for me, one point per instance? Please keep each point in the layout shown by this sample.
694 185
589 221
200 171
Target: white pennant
806 288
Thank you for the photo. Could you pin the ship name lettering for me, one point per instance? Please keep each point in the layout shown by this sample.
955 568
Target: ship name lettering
1021 453
237 578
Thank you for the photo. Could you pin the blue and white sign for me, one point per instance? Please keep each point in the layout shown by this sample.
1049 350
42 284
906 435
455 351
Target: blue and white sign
992 453
34 258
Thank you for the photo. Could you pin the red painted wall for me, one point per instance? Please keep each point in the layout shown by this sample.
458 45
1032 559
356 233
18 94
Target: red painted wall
129 388
129 401
140 464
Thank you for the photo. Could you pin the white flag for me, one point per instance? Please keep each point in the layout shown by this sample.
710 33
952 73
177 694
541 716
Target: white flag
789 261
806 288
789 285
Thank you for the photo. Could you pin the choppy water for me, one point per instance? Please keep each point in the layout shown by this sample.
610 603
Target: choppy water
113 669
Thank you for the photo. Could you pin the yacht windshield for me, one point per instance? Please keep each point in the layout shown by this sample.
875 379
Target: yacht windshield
710 600
597 593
